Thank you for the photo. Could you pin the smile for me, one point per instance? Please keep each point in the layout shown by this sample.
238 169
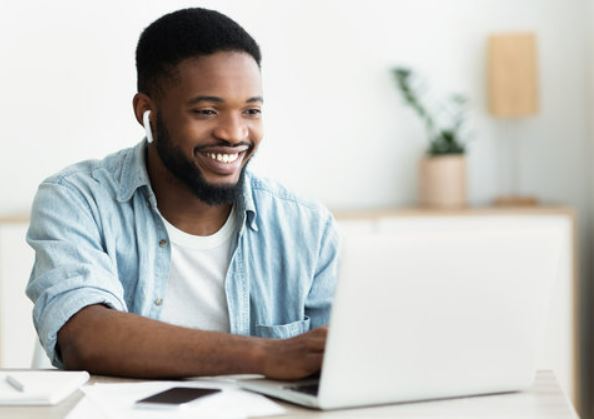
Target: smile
222 157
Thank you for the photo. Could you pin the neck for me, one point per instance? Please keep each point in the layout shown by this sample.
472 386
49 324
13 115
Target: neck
179 205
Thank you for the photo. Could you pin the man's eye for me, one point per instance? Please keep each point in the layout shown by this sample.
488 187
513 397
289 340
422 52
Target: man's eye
205 112
254 112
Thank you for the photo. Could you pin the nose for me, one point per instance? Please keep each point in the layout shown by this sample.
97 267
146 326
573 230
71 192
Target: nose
231 129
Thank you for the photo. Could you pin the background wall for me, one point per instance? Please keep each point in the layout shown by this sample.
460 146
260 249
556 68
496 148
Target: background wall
336 129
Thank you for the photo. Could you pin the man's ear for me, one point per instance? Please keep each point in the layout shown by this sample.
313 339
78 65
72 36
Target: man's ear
142 103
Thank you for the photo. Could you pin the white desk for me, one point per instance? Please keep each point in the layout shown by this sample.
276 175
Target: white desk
544 401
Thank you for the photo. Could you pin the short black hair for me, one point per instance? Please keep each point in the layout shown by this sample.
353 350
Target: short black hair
184 34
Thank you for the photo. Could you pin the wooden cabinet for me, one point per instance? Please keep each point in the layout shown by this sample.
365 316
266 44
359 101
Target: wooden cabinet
558 351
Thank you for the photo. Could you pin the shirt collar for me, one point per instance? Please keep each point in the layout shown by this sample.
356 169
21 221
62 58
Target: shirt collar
134 175
247 205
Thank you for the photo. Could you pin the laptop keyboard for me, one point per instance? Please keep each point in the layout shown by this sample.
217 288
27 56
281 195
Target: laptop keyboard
311 388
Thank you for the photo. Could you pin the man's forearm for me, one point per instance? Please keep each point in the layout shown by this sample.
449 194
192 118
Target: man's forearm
105 341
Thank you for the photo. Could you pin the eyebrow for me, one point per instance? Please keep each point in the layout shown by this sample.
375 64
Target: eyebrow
217 99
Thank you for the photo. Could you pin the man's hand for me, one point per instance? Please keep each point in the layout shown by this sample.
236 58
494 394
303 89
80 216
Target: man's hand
297 357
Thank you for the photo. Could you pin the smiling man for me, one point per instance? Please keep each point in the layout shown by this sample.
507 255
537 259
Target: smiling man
170 259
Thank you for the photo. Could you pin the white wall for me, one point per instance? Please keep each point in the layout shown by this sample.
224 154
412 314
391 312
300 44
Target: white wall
336 129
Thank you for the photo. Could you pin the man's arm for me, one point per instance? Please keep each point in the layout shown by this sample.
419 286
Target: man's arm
105 341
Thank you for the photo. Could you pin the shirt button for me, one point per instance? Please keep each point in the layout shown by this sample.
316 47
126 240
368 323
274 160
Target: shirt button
162 242
158 301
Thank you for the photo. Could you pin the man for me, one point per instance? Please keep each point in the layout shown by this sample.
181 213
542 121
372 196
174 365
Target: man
169 259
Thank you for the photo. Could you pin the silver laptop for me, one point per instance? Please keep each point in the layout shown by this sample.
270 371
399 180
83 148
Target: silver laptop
432 315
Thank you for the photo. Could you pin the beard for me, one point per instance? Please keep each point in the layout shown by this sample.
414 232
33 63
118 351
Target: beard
190 174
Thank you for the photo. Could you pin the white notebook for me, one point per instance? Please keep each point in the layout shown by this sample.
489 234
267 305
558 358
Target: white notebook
40 387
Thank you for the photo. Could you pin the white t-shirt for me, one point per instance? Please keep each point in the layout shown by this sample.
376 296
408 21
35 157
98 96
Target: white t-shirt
195 295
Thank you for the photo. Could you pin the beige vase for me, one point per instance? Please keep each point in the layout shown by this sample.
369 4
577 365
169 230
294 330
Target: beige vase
442 181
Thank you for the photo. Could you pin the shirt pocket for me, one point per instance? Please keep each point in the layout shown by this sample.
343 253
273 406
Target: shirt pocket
283 331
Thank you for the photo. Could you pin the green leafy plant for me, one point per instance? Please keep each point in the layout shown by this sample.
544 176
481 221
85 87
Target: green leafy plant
445 137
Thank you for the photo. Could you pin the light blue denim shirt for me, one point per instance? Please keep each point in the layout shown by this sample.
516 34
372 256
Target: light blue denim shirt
99 239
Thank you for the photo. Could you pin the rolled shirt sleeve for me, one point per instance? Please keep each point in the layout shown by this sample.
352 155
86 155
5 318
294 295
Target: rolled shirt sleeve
72 270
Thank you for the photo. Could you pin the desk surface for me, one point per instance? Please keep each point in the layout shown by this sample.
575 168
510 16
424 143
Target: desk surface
544 400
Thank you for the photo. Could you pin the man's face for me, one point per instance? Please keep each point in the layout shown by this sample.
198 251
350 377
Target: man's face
209 123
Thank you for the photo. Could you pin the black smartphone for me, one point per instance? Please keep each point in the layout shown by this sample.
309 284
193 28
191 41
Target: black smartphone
175 397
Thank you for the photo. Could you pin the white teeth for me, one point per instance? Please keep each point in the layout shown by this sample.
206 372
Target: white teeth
223 158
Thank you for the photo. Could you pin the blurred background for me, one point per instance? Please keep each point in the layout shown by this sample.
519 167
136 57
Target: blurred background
336 127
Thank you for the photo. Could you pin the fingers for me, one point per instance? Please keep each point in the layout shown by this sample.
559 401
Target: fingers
314 340
297 357
315 360
314 363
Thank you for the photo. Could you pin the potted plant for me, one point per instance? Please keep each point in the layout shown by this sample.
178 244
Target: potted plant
442 170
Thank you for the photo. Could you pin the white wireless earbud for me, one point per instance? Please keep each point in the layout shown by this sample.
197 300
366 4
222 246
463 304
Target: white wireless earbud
147 126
